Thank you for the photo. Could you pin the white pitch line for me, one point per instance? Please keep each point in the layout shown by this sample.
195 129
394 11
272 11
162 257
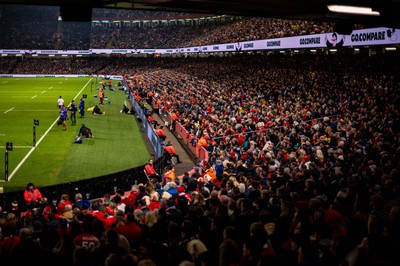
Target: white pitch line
17 147
31 150
9 110
34 110
43 91
34 96
80 92
50 88
40 140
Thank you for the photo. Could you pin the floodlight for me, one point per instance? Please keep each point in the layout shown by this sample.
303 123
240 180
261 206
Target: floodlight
356 10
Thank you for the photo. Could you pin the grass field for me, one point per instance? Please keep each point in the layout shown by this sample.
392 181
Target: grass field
117 144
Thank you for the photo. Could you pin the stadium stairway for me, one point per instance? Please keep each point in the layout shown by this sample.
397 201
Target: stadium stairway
186 157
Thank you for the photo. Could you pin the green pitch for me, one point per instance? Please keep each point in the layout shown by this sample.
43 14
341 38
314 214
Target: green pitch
117 144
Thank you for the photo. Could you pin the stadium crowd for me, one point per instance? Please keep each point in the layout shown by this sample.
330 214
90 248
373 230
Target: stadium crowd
50 33
227 30
28 27
303 170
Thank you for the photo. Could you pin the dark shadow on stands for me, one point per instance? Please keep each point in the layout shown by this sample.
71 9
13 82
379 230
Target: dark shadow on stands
95 187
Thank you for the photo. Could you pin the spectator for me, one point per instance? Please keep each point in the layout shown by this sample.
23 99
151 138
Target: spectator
114 243
169 176
130 230
87 238
311 158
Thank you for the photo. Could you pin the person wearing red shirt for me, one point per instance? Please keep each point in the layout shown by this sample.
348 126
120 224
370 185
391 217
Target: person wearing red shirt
240 139
63 202
9 240
87 238
130 230
132 196
160 133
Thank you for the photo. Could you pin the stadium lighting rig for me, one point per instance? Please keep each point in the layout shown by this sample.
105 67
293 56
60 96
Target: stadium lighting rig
356 10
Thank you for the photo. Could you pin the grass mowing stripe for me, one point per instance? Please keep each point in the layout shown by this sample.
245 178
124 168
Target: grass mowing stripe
38 142
9 110
80 92
118 144
32 149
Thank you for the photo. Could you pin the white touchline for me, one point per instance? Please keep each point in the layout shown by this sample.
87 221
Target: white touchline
43 91
40 140
9 110
50 88
32 149
82 88
34 96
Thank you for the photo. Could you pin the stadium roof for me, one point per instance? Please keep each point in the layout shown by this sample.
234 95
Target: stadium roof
317 10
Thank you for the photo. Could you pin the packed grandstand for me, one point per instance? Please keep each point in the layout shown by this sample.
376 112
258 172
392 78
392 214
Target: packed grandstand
139 29
303 152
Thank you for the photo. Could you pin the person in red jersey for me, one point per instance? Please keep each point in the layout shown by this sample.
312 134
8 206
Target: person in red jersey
130 229
87 238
